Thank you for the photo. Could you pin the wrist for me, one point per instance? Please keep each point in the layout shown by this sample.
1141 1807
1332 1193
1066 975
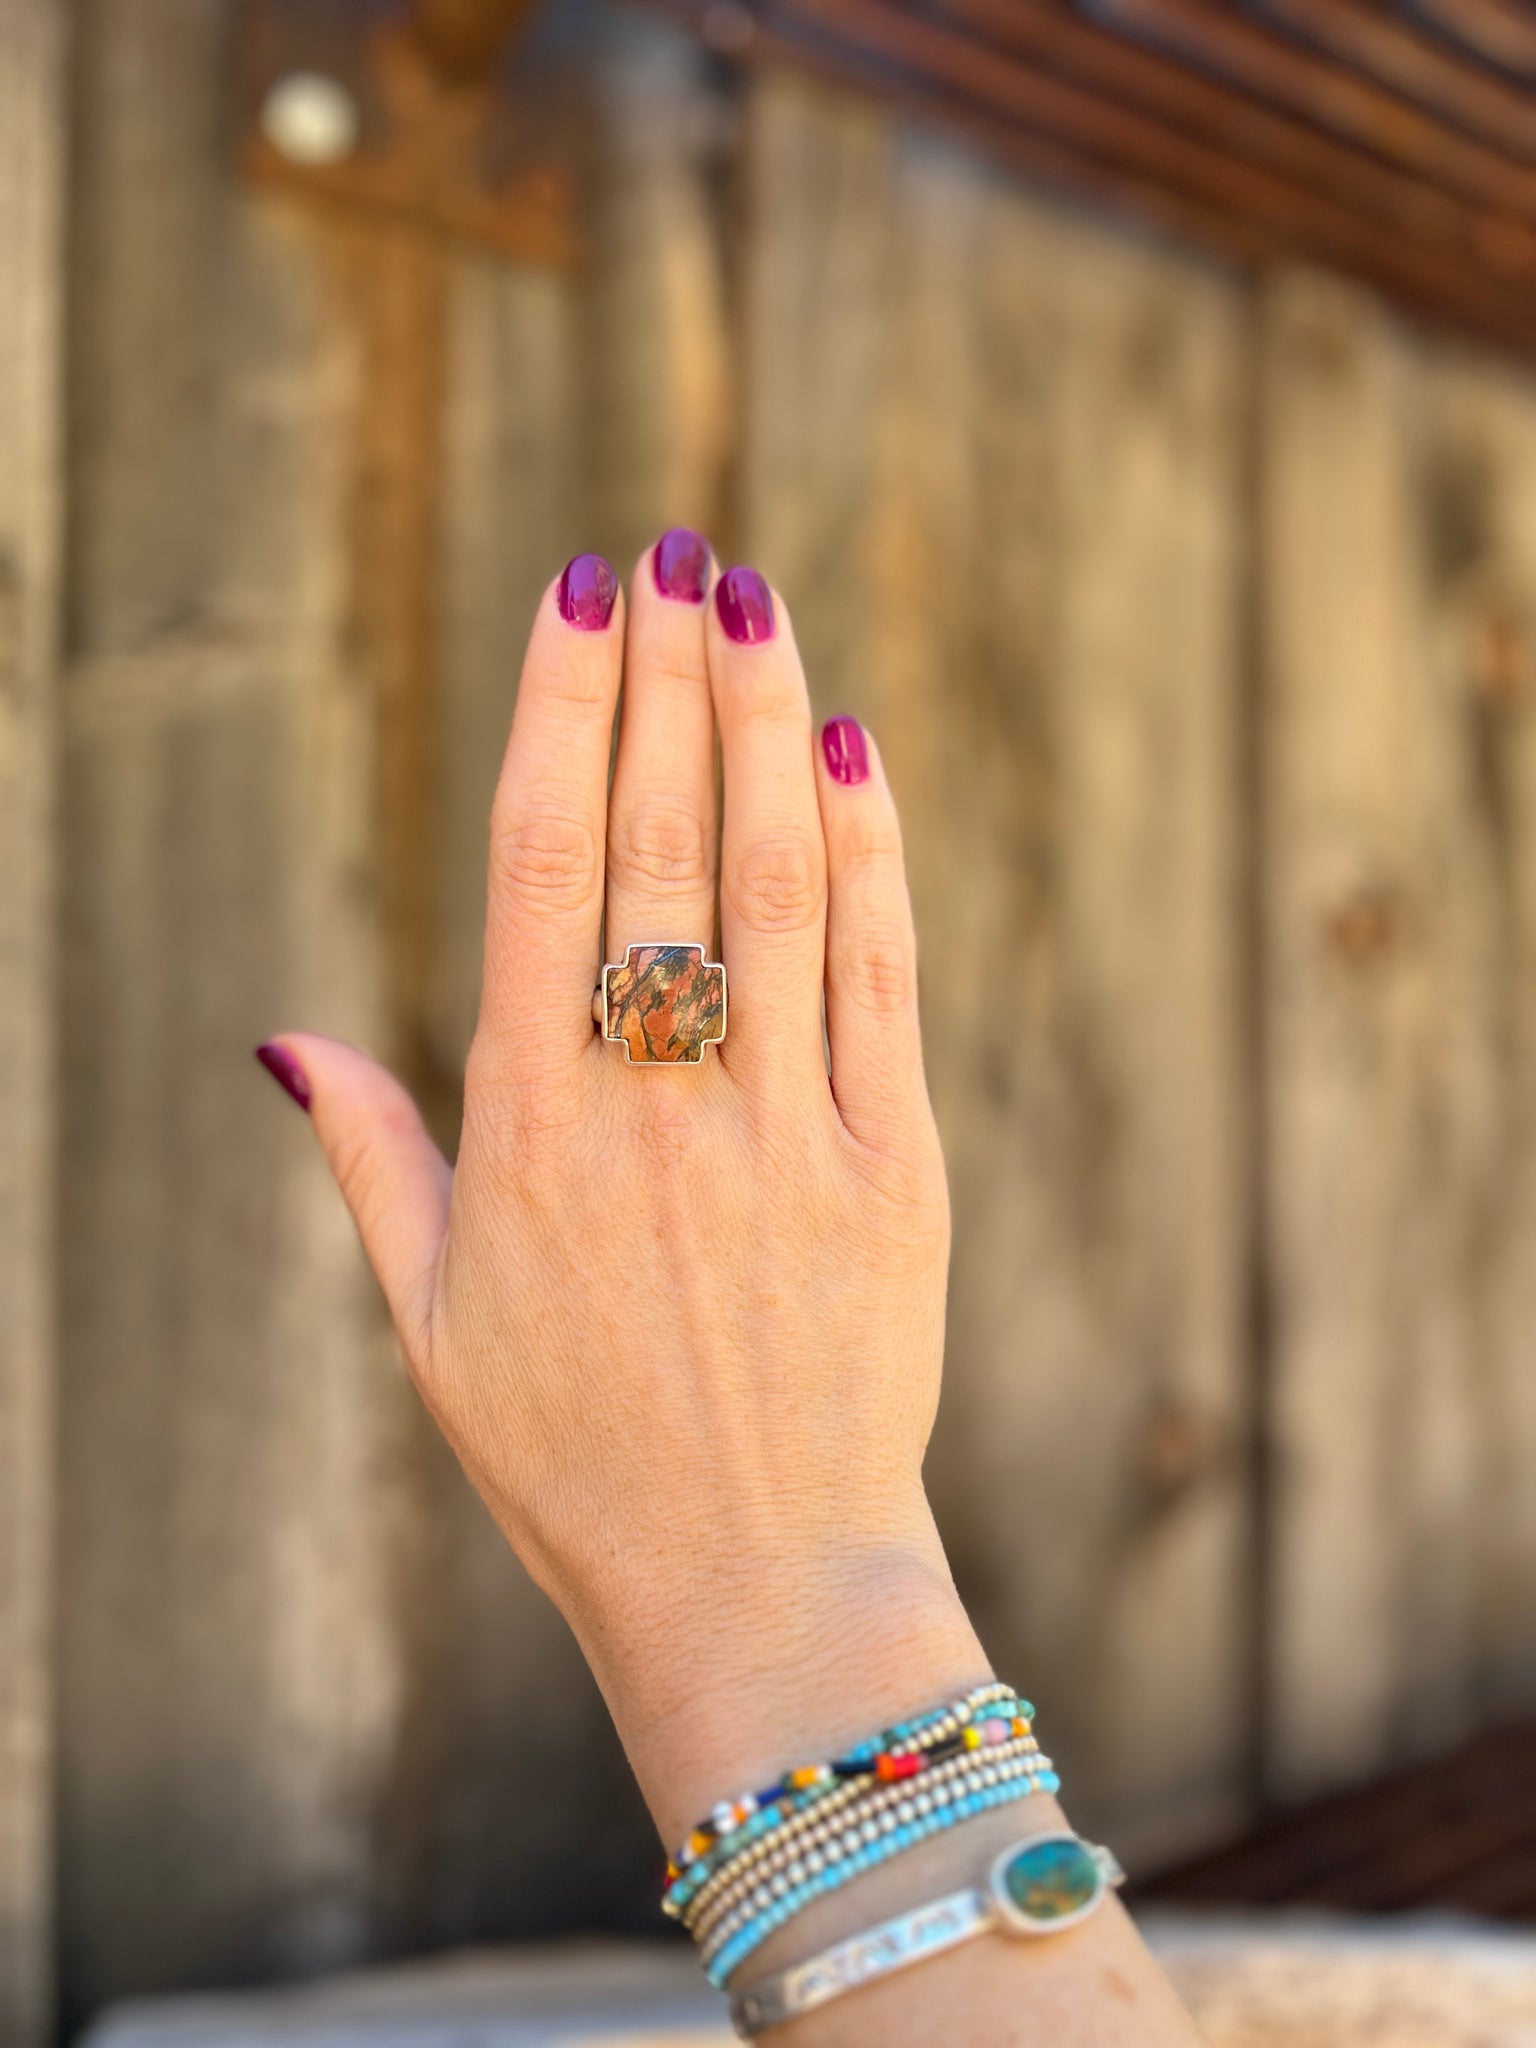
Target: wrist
780 1661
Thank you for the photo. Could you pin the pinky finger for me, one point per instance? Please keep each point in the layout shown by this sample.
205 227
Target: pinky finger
872 1025
391 1176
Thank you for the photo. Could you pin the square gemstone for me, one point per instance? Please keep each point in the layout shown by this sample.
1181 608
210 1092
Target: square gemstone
665 1003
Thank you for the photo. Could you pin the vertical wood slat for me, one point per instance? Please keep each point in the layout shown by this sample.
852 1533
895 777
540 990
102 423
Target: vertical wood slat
32 150
1396 534
994 458
232 1425
1481 545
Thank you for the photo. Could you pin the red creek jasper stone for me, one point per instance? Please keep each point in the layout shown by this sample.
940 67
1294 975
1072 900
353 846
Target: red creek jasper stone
666 1003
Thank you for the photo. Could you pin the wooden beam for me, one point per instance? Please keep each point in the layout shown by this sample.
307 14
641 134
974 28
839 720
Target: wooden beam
1326 131
1379 44
1271 68
979 75
1378 198
1501 34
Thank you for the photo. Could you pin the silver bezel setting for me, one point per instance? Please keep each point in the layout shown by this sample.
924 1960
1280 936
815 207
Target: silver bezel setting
612 1037
1012 1919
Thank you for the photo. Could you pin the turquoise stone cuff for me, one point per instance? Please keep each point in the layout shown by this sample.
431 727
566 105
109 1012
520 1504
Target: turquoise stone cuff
663 1004
1048 1884
1041 1886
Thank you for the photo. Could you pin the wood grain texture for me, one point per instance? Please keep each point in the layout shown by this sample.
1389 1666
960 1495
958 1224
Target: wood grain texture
228 1648
32 156
998 472
1367 1147
1396 531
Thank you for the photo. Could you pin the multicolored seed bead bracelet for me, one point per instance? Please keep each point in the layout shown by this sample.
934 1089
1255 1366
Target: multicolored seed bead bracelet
889 1756
848 1802
982 1791
765 1849
784 1867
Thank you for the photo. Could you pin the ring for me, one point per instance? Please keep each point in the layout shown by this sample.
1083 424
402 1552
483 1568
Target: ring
663 1004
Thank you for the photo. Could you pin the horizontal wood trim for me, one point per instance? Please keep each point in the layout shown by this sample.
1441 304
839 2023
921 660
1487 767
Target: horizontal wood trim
1250 59
1496 31
1328 131
1378 42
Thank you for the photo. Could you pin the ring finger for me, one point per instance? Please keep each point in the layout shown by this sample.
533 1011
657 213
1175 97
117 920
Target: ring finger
663 831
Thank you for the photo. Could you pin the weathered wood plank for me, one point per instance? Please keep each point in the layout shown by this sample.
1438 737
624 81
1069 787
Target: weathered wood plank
228 1648
1478 494
32 151
992 456
1385 976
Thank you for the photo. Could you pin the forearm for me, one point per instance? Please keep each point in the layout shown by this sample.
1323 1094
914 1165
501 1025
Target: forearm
877 1638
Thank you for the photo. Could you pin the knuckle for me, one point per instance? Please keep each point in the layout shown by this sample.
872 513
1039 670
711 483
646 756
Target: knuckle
881 975
661 843
774 699
349 1154
673 672
507 1110
900 1157
582 683
549 859
778 884
871 848
352 1160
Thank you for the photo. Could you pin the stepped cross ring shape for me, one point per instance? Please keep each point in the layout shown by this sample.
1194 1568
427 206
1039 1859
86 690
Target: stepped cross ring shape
663 1003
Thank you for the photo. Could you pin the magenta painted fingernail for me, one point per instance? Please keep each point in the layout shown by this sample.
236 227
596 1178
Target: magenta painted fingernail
842 742
680 564
745 605
588 590
286 1072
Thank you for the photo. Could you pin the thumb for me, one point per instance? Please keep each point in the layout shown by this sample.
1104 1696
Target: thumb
392 1177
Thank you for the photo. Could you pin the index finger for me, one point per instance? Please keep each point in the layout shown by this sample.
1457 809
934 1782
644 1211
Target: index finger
545 891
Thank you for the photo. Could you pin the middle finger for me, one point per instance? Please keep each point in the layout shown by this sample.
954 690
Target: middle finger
662 827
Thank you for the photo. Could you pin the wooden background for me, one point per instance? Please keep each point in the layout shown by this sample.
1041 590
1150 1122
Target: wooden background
1196 622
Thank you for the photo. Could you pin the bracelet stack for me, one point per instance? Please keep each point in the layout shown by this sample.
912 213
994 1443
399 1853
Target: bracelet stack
757 1861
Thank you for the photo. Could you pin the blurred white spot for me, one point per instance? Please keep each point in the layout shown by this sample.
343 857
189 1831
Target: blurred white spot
310 119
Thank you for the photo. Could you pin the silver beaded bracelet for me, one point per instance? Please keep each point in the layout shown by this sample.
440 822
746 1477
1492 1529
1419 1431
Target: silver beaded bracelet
1041 1886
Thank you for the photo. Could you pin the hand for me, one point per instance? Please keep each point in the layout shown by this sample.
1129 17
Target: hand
683 1325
